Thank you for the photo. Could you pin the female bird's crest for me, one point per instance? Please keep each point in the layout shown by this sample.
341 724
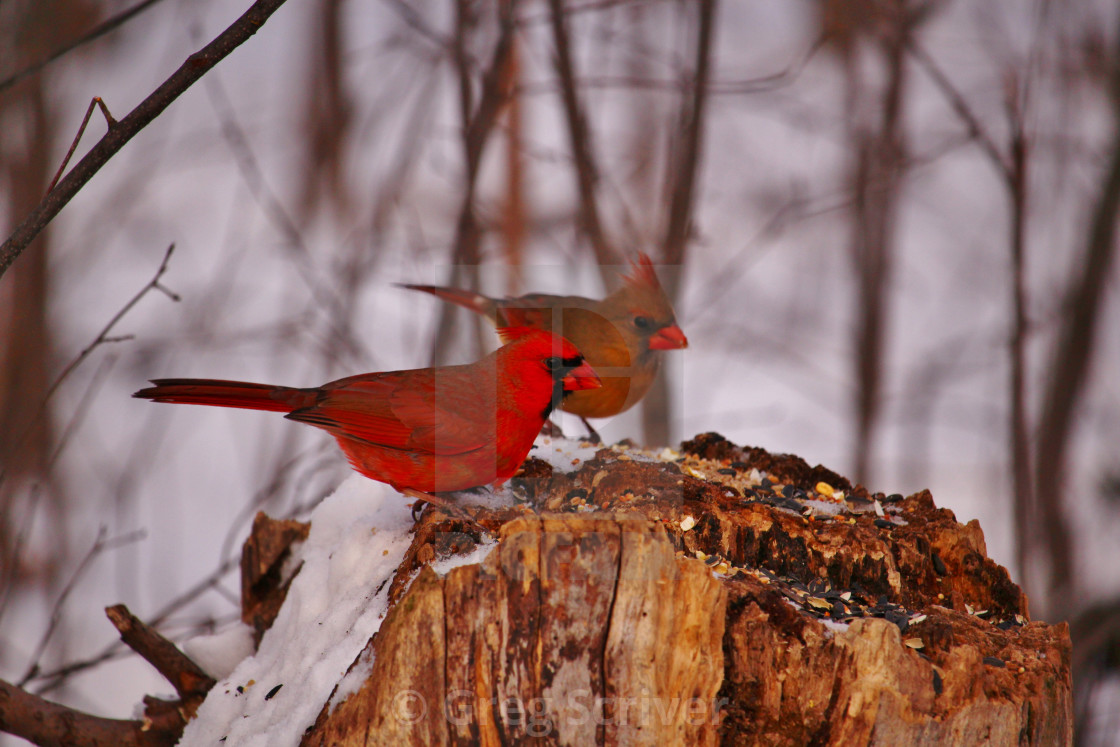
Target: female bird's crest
642 272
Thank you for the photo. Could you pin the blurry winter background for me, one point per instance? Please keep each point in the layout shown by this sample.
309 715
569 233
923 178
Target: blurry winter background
888 226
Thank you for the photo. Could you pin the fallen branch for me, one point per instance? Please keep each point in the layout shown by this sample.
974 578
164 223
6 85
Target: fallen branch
188 679
45 723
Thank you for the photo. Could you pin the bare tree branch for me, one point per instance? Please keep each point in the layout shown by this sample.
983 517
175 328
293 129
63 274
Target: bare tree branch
188 679
197 65
55 678
103 337
45 723
109 24
959 105
1022 487
100 545
684 167
109 121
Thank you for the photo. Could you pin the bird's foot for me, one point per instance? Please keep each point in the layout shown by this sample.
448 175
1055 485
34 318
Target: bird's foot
453 509
551 430
592 434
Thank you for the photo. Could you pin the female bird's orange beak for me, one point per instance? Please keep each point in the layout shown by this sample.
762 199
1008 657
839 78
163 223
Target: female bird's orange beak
668 338
582 377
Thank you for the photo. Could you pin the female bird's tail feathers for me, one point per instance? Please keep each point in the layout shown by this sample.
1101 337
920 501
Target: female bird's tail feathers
476 302
228 394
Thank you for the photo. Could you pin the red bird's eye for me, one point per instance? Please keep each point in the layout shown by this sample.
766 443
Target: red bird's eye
553 364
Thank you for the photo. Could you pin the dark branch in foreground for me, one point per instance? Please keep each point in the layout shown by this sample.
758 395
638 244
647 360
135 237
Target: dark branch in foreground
188 679
45 723
188 73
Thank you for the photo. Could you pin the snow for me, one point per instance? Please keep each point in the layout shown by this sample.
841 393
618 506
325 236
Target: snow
219 653
358 537
444 565
563 454
356 677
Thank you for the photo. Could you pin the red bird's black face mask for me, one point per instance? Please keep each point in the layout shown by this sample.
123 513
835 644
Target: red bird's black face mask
569 375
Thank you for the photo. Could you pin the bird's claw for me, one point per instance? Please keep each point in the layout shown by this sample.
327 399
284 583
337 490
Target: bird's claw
453 510
592 434
551 430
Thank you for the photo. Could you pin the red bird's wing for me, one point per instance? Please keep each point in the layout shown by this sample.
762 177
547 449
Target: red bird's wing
402 410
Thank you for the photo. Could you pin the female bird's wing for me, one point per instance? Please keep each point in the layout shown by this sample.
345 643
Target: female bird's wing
407 410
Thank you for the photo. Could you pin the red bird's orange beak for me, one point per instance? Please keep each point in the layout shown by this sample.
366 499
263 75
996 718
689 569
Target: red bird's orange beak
582 377
668 338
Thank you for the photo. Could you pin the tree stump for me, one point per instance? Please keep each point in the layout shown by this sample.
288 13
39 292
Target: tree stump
720 595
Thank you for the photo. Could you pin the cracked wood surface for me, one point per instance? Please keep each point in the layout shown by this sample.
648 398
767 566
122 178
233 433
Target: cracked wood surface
695 606
568 632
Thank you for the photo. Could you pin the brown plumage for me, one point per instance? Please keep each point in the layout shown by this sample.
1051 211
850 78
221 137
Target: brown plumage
621 336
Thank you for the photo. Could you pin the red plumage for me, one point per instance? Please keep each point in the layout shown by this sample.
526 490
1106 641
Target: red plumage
622 335
429 429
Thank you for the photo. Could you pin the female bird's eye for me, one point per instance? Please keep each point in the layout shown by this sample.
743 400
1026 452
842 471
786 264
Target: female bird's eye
643 322
553 364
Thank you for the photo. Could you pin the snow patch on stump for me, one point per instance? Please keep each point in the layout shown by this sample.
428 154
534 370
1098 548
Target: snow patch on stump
358 537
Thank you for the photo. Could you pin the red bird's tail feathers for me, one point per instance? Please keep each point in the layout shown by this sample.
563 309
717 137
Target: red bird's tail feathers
228 394
476 302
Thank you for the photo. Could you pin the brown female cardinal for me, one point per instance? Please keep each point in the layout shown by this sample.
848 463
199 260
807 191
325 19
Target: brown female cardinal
425 430
621 336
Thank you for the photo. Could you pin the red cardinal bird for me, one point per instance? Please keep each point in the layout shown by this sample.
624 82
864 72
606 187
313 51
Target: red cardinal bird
426 430
620 335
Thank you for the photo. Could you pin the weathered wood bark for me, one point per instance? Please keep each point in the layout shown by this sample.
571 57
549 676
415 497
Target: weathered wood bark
560 633
728 596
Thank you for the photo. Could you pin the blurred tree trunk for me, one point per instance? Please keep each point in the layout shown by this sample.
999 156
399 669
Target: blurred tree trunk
876 131
478 115
515 217
328 115
1024 505
683 165
1069 368
28 32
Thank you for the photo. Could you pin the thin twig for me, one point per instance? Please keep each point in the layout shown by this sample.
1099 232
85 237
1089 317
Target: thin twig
251 173
55 678
81 409
100 545
959 105
95 101
96 32
103 337
197 65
